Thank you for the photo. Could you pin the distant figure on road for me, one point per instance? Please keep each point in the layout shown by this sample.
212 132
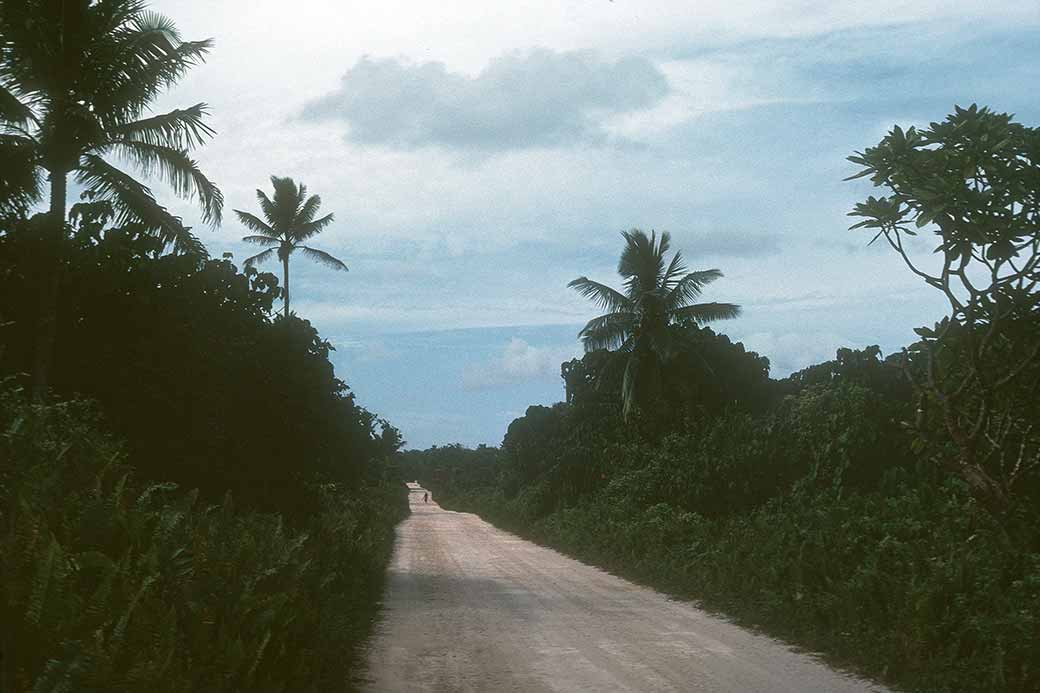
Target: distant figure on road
426 497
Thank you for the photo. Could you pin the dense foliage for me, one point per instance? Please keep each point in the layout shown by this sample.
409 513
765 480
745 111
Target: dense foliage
181 350
194 501
973 182
197 502
206 565
109 583
77 81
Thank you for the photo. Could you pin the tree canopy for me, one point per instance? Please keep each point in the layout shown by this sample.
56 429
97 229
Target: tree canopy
648 324
290 221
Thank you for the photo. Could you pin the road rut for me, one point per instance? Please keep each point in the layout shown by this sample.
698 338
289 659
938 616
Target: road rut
469 607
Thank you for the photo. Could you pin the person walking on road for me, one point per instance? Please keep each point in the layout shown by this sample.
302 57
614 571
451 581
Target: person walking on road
425 496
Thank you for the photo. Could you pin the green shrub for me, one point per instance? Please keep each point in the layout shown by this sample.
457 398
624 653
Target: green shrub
110 585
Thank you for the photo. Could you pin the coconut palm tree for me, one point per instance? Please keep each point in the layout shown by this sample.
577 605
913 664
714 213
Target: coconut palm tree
76 80
290 222
647 325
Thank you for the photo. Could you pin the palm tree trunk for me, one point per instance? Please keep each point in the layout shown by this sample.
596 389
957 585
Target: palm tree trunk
47 319
285 276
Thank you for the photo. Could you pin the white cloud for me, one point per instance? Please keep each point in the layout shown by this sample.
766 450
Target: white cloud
541 98
518 362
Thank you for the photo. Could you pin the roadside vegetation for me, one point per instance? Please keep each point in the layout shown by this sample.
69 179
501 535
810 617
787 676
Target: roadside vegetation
882 510
190 499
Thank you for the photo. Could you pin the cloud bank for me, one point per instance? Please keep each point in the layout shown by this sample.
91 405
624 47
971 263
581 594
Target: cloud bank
541 98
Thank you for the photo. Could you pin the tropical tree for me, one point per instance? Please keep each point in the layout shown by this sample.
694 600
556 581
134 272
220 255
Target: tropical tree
648 324
76 80
972 183
290 221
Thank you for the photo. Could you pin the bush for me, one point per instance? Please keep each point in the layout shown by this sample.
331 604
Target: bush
110 584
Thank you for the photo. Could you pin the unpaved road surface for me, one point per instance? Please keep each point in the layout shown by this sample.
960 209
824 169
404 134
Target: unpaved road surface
472 608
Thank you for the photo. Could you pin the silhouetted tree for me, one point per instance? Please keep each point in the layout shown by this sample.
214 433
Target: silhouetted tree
290 222
76 77
648 325
972 182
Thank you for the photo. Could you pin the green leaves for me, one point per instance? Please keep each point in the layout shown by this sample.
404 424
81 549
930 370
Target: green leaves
178 129
880 212
75 80
602 295
178 170
323 258
973 181
971 175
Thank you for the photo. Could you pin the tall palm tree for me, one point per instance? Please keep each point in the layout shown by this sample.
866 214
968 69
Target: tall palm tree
76 81
648 324
290 222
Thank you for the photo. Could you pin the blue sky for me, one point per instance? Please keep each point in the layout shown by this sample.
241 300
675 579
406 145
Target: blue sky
479 155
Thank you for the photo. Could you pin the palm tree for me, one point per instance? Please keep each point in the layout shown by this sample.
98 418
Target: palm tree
290 222
76 80
648 324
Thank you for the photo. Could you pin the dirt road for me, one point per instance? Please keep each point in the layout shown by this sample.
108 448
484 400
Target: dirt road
471 608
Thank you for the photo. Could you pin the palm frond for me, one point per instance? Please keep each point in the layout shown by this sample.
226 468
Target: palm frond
13 110
629 384
134 203
324 258
261 240
251 222
260 257
154 27
636 243
180 128
187 243
138 73
266 206
608 331
286 200
601 294
146 56
179 170
305 231
672 274
20 181
642 260
689 288
309 209
701 313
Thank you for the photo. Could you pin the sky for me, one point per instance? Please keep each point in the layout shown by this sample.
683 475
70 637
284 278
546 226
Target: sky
479 154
